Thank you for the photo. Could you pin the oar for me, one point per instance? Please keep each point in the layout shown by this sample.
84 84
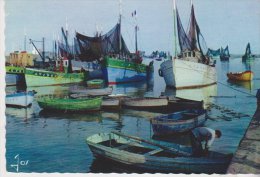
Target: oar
172 150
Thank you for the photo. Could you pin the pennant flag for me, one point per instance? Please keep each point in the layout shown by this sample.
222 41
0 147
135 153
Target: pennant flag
134 13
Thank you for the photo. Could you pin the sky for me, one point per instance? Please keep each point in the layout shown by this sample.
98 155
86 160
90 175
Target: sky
222 22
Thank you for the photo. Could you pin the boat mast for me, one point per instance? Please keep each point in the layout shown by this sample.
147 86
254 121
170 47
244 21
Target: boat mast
25 39
175 33
120 17
136 28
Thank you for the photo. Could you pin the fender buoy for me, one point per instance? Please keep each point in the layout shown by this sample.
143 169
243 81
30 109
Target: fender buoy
160 72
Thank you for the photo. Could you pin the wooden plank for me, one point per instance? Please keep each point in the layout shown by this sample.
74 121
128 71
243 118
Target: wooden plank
154 151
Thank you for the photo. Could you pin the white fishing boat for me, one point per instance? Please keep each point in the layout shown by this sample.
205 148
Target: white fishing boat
192 68
19 99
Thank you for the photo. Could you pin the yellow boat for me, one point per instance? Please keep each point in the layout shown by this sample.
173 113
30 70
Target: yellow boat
241 76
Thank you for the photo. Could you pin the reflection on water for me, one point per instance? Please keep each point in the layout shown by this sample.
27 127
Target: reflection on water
248 85
90 117
25 113
198 94
136 89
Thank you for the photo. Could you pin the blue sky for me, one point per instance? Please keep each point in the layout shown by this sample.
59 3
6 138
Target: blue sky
222 22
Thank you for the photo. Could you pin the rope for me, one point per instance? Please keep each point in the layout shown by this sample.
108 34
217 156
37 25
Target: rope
244 92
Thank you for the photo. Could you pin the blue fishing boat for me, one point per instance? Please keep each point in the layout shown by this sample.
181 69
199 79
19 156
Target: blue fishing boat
118 64
19 99
178 122
248 54
224 54
153 156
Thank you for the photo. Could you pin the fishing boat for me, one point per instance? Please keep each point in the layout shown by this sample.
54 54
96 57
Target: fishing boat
69 105
78 92
19 99
118 64
95 83
37 77
135 152
224 54
178 122
192 68
213 53
241 76
146 103
248 55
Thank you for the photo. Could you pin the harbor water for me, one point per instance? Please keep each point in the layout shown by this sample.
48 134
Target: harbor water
55 142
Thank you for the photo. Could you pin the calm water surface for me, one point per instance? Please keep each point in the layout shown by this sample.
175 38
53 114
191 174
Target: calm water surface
55 142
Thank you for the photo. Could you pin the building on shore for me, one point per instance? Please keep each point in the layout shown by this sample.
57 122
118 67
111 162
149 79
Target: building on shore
22 59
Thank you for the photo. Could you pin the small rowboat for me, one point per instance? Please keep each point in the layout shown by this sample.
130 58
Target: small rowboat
77 93
19 99
241 76
69 105
147 103
111 104
134 152
178 122
181 104
95 83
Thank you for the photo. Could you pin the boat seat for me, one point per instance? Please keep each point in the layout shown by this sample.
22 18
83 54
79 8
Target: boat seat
155 151
124 146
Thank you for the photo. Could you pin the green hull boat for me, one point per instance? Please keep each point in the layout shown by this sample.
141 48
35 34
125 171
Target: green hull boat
95 83
70 105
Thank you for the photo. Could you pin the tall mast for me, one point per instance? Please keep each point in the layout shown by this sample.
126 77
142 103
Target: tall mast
175 32
120 16
43 51
25 39
134 15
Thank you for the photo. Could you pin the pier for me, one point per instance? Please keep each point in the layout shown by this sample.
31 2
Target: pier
246 160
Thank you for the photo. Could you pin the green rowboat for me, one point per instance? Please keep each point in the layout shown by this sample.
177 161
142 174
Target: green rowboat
95 83
70 105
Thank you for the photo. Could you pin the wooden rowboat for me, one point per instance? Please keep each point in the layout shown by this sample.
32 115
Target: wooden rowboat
241 76
147 103
95 83
147 155
180 104
69 105
111 104
19 99
78 92
178 122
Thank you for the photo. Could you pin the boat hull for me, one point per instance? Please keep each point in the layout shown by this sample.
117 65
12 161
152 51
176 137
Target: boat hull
21 99
69 105
157 163
150 104
244 76
183 74
224 58
36 77
117 71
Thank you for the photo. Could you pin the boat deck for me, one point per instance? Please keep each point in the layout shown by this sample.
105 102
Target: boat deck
247 157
